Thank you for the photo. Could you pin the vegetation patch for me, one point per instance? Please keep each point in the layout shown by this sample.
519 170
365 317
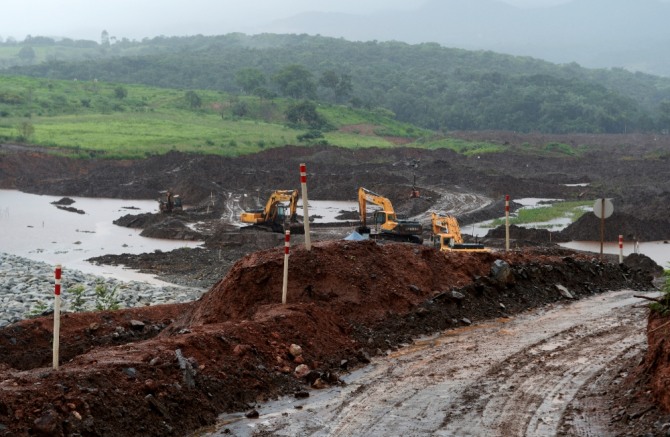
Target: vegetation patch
572 210
469 148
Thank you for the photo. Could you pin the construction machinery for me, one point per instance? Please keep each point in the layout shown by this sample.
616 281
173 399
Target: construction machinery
415 191
447 236
279 213
169 202
386 224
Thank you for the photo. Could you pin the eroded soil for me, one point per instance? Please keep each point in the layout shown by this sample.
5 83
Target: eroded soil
169 370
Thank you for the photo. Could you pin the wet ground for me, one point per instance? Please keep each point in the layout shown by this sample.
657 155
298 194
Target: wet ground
511 376
169 370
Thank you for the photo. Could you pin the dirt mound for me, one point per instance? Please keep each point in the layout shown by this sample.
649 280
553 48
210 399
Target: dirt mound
587 228
345 276
656 365
638 261
173 368
521 234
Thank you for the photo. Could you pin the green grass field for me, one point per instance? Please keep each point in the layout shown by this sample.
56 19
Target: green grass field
130 121
90 118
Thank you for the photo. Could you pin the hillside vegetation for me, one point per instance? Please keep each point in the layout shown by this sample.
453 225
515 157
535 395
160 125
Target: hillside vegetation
95 118
430 86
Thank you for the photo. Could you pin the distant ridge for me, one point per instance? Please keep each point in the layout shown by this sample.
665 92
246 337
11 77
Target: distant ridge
631 34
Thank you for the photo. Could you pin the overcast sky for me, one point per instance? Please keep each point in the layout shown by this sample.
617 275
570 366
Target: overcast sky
137 19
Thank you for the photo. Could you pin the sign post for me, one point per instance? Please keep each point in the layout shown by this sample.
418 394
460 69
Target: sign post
602 208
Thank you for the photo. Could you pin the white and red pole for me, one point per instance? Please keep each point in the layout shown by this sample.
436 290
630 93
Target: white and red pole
56 338
303 183
287 249
620 249
507 222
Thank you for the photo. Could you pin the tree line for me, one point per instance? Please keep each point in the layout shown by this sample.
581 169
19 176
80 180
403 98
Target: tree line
426 84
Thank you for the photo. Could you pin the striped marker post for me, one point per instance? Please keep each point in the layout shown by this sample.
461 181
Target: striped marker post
303 183
507 222
620 249
287 249
56 338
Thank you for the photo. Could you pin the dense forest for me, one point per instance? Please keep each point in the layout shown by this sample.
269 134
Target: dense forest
431 86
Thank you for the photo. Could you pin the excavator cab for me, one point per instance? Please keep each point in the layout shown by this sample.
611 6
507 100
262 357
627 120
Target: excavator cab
279 212
283 212
381 217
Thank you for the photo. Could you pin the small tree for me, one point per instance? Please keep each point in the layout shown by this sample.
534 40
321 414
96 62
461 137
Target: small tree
27 54
104 38
26 130
193 99
120 92
78 300
296 81
106 299
304 114
249 79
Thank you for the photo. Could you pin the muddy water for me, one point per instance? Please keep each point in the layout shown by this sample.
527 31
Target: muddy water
659 251
31 227
506 377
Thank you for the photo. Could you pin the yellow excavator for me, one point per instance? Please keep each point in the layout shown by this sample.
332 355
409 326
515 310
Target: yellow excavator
279 213
447 235
387 225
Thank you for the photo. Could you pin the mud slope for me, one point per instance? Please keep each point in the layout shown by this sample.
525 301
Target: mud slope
167 370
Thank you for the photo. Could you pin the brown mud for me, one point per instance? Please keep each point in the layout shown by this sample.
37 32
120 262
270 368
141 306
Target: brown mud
170 369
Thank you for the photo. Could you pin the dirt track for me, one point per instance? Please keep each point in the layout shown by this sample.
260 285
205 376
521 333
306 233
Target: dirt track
505 377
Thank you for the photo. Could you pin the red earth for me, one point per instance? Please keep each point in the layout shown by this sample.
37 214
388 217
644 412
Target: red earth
170 369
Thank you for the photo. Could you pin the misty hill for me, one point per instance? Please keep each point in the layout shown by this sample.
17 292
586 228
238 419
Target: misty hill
427 85
593 33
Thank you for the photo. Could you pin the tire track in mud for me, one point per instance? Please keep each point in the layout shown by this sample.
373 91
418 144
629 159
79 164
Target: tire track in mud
506 377
526 394
453 203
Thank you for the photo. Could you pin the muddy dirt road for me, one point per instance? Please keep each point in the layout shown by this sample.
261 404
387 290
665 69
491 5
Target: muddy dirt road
506 377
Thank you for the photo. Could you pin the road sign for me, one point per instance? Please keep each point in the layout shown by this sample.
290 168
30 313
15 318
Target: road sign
603 208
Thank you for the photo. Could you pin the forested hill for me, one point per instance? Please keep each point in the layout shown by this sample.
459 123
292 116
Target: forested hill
426 84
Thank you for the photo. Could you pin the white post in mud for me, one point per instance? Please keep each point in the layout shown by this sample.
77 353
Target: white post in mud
56 339
287 248
620 249
507 222
303 183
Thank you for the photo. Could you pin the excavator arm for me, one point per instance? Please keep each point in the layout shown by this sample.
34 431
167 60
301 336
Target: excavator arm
365 196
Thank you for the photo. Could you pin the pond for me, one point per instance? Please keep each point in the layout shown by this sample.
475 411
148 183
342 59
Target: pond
32 227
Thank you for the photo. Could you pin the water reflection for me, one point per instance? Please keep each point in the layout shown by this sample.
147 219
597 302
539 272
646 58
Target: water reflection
659 251
32 227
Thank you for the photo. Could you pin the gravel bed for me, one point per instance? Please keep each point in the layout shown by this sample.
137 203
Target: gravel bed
27 289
